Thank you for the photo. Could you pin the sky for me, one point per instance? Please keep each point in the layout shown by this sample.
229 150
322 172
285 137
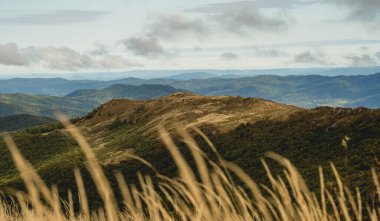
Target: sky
55 36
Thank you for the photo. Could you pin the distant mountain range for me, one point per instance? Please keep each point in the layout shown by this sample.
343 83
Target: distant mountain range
77 103
304 91
62 87
140 92
149 74
38 105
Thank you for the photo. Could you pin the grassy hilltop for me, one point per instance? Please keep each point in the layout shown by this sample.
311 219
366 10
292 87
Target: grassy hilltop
242 129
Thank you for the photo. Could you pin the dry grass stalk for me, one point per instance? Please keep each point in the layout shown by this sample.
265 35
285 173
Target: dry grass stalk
216 196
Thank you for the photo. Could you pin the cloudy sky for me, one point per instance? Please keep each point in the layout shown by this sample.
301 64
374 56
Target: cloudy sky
48 36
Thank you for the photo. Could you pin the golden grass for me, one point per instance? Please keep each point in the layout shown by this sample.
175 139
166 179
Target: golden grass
215 196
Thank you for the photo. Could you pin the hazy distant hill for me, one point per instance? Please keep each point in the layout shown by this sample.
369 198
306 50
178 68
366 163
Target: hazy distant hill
45 86
77 103
144 91
22 121
304 91
38 105
194 75
149 74
61 87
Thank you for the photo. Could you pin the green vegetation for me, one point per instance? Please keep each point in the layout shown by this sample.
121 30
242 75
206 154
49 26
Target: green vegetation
52 153
308 138
22 121
124 91
77 103
303 91
220 192
12 104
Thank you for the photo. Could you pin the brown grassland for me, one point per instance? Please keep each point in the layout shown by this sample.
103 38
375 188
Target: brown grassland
211 191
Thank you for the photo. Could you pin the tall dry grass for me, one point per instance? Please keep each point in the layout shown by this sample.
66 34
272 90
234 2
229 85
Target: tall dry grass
213 191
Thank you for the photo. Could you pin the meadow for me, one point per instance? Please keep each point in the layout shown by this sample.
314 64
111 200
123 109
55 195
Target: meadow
213 190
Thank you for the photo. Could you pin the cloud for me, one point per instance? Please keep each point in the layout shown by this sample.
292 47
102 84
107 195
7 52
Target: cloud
360 10
115 62
243 17
62 58
267 52
54 18
378 55
229 56
362 60
252 5
198 48
144 46
171 26
59 58
308 57
165 27
11 55
99 49
245 21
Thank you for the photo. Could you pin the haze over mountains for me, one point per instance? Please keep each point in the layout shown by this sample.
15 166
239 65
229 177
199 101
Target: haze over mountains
77 103
77 97
203 73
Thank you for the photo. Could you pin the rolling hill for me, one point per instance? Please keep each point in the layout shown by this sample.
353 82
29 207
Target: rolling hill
192 75
305 91
140 92
39 105
242 129
23 121
77 103
62 87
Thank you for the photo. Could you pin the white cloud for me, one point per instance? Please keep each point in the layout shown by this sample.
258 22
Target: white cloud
268 52
144 46
54 18
11 55
253 5
378 55
362 60
229 56
62 58
173 25
245 21
311 58
360 10
111 62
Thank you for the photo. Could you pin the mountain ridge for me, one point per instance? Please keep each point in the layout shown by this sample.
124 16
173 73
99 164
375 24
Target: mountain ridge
78 103
306 91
